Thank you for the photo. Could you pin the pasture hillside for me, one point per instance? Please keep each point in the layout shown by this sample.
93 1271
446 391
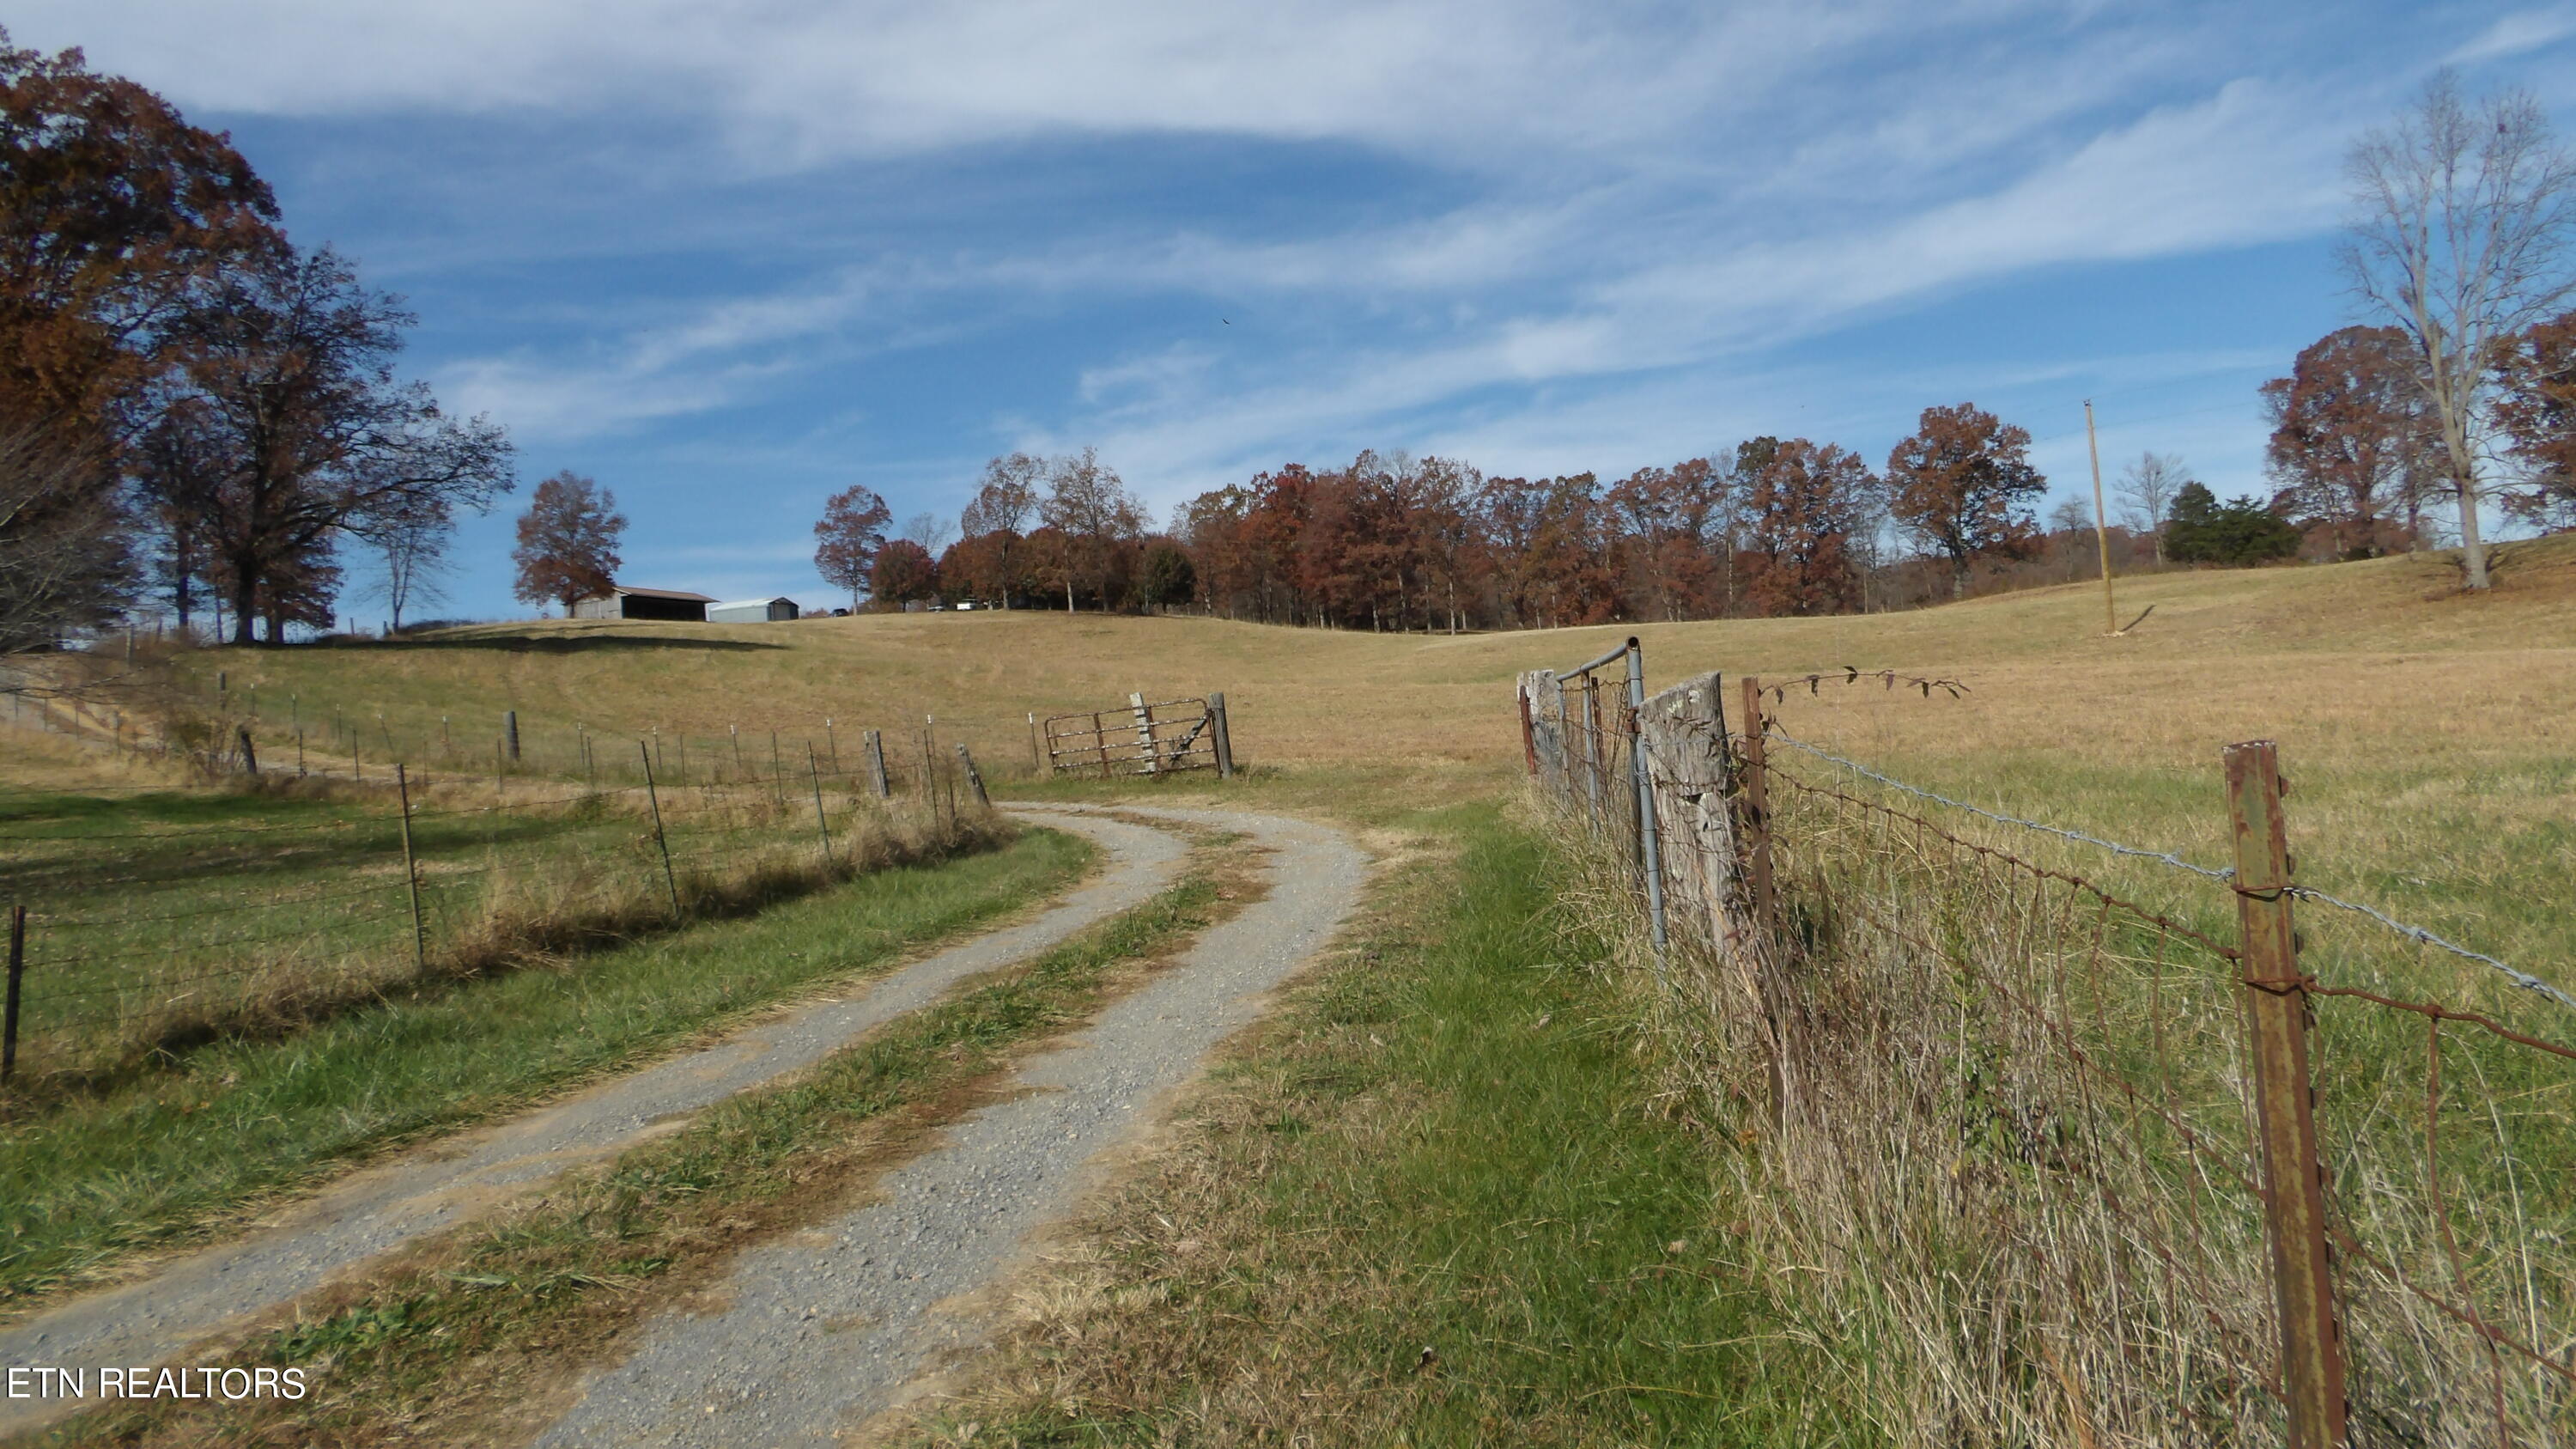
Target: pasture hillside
2432 733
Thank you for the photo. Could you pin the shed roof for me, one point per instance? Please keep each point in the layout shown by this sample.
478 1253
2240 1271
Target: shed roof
752 603
681 594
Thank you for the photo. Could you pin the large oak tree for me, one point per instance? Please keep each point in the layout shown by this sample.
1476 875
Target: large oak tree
567 549
1963 484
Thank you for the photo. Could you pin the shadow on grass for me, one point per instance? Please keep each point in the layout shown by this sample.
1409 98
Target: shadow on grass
549 643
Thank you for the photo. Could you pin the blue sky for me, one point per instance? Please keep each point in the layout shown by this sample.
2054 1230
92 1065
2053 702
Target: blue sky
731 257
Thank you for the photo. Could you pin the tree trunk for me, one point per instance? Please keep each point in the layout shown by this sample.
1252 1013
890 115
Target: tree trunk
245 610
2473 549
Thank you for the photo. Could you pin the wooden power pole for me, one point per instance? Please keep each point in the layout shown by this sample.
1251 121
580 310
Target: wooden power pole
2101 524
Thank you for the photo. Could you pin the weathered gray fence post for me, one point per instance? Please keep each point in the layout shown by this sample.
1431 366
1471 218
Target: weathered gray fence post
1145 732
510 731
249 756
2276 1024
1037 756
1224 736
974 777
872 743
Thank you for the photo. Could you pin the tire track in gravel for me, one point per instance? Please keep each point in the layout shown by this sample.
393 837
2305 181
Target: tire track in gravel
373 1211
823 1329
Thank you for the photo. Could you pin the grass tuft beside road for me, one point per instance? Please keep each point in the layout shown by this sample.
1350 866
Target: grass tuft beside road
171 1156
1436 1202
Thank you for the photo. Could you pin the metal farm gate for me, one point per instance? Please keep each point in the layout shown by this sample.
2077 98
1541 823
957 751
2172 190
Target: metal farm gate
1142 739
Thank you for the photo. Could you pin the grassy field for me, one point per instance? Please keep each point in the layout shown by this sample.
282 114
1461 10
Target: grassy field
2430 736
172 1155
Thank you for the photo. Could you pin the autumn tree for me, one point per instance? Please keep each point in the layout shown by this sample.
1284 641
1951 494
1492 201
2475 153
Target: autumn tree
1963 484
2463 217
1803 502
1668 516
1004 503
850 532
306 434
57 543
2537 414
567 547
1088 504
902 573
2147 487
2350 438
113 212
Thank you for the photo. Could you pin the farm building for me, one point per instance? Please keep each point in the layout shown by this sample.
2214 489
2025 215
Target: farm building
621 602
752 611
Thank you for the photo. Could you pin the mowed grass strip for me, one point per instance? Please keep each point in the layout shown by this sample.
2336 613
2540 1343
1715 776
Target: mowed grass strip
1437 1202
171 1156
464 1342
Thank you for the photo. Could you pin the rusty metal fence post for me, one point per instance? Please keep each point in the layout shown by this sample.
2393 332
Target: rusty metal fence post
814 775
2276 1025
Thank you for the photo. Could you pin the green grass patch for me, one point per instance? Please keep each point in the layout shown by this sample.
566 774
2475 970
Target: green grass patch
470 1327
1438 1203
171 1154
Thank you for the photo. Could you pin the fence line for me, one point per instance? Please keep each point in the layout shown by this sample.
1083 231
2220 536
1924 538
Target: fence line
2091 1172
444 889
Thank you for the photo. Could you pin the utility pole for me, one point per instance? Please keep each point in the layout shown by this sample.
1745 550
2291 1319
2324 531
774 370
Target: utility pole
2101 524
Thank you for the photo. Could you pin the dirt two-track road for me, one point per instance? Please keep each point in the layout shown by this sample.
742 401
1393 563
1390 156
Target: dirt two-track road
825 1328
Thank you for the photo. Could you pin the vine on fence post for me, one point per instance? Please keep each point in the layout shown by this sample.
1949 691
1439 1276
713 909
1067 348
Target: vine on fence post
654 796
17 973
411 872
2276 1024
814 773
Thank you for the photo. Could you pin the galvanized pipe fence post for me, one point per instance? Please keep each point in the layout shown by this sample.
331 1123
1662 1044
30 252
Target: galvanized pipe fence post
2276 1024
1649 840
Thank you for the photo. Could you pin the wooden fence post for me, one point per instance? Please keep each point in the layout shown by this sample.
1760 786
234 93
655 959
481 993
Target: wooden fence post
1037 757
974 777
660 841
1224 736
1145 732
17 973
411 872
510 730
2276 1023
872 744
250 756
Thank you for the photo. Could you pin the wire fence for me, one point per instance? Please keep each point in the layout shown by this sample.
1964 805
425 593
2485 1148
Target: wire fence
2169 1159
142 926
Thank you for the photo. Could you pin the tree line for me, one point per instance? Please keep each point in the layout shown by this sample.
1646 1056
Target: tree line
193 408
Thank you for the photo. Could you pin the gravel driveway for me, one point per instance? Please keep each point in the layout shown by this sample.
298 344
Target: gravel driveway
345 1226
825 1328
